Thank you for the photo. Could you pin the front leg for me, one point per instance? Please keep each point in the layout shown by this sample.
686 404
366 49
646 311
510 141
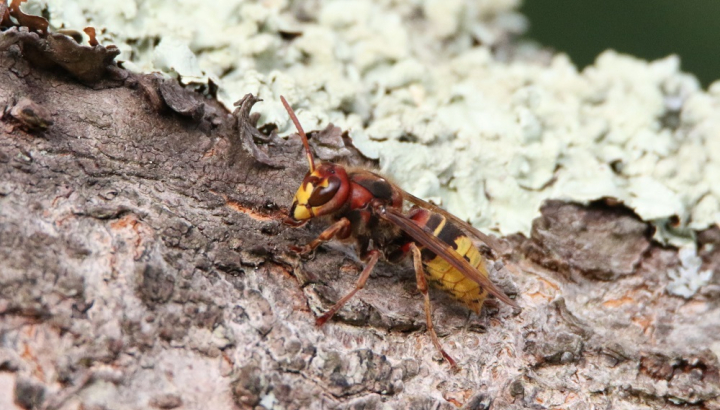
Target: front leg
339 228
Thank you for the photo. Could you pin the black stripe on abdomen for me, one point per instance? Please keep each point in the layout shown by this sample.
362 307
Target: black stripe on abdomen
448 234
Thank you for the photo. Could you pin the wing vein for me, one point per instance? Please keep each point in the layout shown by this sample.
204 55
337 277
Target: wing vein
490 241
445 251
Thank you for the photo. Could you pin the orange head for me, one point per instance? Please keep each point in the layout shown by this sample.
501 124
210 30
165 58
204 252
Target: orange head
324 190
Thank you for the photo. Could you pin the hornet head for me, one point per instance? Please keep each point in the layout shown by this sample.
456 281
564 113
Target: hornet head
324 190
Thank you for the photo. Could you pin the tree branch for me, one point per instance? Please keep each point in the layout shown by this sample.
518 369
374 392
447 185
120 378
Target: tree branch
143 265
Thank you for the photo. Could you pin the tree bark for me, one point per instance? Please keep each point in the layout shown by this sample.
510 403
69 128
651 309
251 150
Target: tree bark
143 264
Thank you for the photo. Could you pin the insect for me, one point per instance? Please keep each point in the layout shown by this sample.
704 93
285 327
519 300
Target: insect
367 209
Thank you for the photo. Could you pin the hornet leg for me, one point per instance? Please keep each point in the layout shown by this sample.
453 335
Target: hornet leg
325 236
422 286
374 256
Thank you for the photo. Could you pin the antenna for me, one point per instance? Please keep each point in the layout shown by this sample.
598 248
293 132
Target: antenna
301 132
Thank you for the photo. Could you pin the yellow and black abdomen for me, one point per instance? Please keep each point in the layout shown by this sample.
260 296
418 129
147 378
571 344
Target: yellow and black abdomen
442 275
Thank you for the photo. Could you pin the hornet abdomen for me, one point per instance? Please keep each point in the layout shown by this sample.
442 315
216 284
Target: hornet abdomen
440 273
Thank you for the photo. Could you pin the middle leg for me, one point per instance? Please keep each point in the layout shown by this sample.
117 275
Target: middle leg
374 256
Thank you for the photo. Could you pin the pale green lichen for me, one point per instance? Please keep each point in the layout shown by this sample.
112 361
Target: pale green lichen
688 278
447 120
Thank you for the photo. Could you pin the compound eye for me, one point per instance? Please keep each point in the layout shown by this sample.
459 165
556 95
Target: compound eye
310 179
321 195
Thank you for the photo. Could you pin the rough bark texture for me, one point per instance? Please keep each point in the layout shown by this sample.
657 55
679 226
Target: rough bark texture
142 265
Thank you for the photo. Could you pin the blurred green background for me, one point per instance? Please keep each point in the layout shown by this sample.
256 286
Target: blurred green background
645 29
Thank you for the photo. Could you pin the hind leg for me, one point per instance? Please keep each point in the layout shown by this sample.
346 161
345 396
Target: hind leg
422 286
